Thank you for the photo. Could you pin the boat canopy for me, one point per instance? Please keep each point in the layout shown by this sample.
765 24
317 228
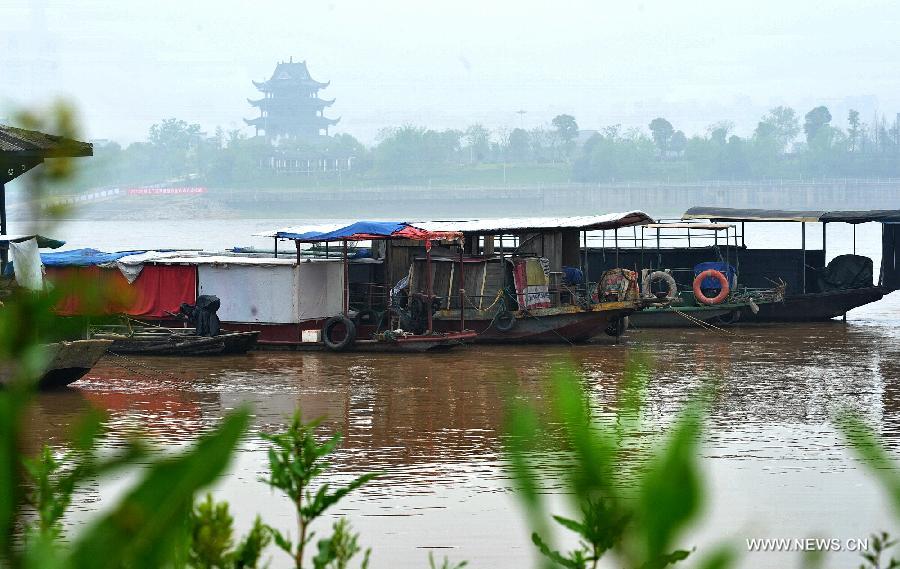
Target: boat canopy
534 224
360 231
42 242
453 229
83 257
677 225
733 214
736 214
880 215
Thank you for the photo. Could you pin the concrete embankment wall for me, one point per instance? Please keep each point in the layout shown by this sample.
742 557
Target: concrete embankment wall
571 199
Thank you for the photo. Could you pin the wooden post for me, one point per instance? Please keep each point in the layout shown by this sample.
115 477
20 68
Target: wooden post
617 246
587 278
803 243
659 251
462 293
276 247
346 280
297 243
428 284
488 245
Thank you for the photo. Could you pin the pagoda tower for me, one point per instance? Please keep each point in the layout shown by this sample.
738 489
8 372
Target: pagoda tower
291 106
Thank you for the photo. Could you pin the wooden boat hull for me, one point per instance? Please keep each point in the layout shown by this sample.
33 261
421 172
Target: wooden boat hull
411 344
814 307
68 362
542 326
182 344
683 317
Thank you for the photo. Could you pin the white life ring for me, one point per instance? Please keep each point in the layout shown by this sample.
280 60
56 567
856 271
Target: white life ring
663 276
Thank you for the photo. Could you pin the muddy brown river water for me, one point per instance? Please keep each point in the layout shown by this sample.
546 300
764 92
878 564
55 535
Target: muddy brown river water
433 425
774 466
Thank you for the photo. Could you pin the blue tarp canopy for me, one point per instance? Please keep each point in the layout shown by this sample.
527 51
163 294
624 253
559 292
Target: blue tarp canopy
83 257
373 228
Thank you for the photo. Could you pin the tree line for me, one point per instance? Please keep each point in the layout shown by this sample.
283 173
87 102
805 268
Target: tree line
784 144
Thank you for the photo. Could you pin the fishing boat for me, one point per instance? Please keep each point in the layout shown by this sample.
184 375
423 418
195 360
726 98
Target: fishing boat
814 290
348 330
690 264
522 280
163 341
494 280
67 362
767 285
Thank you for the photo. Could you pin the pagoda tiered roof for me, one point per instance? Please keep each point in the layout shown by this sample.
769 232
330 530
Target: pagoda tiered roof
291 106
269 103
290 75
316 122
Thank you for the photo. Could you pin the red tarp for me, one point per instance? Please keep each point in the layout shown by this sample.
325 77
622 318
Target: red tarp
105 291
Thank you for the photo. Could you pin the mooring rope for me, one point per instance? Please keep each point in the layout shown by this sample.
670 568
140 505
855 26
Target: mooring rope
701 323
143 365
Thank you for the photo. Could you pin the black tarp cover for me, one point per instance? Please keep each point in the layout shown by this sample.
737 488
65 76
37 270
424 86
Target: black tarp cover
809 216
742 214
890 256
846 272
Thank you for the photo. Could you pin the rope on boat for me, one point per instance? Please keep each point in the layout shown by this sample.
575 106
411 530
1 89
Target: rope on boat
132 370
701 323
571 343
143 365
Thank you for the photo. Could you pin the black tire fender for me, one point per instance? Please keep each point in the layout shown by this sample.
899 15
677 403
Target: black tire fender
617 326
367 316
343 343
504 321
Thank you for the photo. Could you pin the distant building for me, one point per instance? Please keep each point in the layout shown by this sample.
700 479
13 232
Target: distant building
291 106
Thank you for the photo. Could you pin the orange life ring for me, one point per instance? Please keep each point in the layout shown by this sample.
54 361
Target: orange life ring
723 293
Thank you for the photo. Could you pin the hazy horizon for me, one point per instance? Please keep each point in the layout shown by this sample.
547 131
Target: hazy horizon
127 67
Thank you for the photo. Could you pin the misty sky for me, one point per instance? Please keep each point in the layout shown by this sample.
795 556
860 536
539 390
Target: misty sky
129 64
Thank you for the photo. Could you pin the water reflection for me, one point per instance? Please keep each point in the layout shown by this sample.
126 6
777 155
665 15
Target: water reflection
433 423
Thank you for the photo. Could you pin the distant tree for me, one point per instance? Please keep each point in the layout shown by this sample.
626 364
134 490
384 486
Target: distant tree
478 142
854 131
611 156
500 148
735 162
781 125
718 131
174 144
662 132
541 144
566 130
816 120
566 127
400 154
678 142
519 145
411 153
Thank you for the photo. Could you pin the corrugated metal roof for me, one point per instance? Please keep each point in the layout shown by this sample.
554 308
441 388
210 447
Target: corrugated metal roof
676 225
527 224
19 141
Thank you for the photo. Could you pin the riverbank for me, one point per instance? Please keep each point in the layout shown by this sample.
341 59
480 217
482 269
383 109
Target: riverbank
435 202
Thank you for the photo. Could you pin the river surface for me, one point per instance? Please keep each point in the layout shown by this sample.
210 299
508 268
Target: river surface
433 424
